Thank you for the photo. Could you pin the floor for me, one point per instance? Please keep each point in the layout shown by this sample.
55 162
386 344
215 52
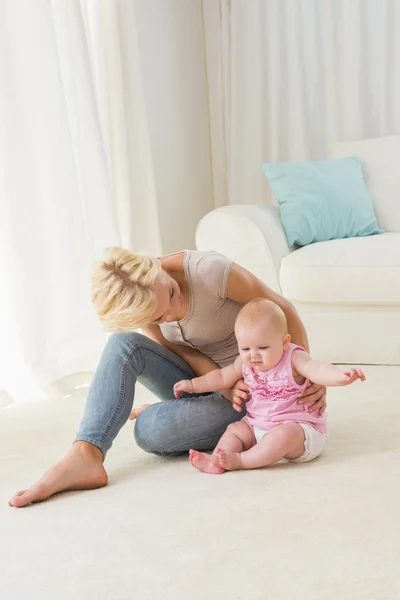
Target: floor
161 530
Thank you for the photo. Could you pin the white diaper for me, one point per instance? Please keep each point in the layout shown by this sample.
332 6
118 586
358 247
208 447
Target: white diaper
314 442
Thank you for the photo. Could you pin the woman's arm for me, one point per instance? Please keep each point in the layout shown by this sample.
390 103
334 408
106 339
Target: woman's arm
197 361
243 286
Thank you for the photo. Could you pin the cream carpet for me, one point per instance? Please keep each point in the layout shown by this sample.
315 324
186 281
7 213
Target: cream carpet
161 530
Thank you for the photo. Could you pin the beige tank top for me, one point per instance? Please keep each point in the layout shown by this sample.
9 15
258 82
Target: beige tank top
209 323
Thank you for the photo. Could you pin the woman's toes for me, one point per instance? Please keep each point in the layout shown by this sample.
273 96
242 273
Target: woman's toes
16 495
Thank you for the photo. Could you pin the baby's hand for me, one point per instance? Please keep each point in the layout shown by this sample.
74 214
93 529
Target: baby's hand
347 376
183 386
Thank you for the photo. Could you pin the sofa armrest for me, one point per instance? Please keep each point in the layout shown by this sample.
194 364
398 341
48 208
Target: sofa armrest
250 235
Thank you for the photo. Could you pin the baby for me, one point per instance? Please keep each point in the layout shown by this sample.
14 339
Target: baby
275 427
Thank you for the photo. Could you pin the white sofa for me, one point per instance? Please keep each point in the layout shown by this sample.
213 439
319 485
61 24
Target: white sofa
346 291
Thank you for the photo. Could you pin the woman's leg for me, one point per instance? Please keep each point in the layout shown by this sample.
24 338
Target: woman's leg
174 427
127 358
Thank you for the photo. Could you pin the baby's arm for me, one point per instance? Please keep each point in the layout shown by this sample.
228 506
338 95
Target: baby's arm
219 379
322 372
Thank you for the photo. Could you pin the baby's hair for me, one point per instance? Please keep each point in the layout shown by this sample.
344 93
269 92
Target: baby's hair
261 308
122 289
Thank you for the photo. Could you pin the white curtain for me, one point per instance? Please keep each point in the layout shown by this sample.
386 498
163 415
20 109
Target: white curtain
287 78
75 176
107 110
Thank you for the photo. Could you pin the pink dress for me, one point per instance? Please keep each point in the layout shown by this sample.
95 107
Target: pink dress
274 394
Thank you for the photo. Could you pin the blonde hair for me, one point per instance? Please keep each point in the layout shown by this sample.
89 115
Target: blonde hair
122 289
261 308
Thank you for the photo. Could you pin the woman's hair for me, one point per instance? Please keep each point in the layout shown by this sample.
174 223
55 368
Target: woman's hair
122 289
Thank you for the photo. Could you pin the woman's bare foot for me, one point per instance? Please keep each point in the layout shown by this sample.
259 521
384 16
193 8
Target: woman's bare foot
229 461
80 469
206 463
136 411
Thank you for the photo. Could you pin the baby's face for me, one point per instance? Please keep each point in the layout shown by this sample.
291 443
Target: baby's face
260 347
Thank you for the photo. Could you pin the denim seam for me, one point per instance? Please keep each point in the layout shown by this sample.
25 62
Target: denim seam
121 395
178 448
90 441
123 380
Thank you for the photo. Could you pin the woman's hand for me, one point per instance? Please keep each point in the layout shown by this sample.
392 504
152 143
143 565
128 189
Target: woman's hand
315 395
237 395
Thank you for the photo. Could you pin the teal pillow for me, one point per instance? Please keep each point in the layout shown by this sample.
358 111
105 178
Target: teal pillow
322 200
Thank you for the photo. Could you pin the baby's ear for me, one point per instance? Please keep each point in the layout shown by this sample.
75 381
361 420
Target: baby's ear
286 341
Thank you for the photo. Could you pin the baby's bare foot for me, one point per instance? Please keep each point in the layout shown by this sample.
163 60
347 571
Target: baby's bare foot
80 469
230 461
206 463
136 411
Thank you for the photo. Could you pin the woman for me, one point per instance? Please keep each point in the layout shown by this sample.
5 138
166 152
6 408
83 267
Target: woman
187 304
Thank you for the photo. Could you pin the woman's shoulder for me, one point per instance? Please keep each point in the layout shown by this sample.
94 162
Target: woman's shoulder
173 261
204 269
206 257
195 256
210 269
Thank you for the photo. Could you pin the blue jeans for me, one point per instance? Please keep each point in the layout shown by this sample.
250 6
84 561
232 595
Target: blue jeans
170 427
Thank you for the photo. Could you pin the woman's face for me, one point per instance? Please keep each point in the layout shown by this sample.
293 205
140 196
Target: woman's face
168 295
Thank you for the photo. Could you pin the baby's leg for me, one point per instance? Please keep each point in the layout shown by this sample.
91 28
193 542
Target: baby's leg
237 437
283 441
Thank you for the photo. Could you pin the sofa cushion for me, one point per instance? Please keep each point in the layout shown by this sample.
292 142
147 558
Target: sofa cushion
350 271
380 159
322 200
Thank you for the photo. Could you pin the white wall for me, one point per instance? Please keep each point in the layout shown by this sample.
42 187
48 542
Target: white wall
172 55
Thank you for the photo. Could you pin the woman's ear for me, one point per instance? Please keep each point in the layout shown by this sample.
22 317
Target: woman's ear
286 341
